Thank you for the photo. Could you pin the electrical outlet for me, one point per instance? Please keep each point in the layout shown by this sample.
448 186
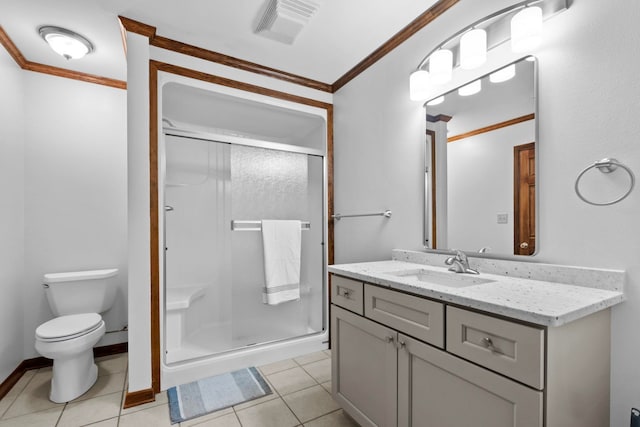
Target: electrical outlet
635 417
503 218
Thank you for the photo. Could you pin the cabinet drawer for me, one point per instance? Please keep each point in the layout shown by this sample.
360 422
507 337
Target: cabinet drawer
512 349
347 293
418 317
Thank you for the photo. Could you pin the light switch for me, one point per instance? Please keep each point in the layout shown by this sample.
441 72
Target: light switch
503 218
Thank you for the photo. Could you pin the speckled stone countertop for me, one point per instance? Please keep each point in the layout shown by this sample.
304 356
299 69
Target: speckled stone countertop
543 302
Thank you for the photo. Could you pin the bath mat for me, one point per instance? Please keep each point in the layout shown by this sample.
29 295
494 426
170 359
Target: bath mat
201 397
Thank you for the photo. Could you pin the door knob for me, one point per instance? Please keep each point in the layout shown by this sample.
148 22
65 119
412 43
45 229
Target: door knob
524 245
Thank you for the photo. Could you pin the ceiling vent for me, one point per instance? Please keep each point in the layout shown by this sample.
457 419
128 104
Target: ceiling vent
284 19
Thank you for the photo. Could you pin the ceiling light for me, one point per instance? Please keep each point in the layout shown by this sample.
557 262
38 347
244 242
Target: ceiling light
419 85
436 101
64 42
503 74
526 29
470 89
441 66
473 49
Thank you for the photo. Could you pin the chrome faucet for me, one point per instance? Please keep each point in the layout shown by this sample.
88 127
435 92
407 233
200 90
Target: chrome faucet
460 263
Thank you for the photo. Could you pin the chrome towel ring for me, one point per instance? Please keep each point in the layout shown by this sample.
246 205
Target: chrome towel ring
606 165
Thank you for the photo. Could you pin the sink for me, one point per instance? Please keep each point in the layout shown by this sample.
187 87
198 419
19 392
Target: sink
453 280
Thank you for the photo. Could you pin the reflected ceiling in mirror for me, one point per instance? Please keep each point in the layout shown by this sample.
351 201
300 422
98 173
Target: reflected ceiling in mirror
480 182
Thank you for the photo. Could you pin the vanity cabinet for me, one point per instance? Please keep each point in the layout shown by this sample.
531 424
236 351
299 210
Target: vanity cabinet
404 360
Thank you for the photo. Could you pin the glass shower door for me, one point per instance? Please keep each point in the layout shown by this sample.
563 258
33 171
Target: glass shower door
219 194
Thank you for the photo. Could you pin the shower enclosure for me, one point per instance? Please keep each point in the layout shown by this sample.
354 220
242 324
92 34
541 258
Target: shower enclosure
216 190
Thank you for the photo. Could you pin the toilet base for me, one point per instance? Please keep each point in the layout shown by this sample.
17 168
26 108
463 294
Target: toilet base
72 376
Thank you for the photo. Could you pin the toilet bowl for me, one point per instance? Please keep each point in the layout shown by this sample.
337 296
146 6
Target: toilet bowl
76 298
69 341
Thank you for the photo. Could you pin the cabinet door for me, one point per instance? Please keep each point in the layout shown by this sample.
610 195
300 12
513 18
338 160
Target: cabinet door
364 368
436 389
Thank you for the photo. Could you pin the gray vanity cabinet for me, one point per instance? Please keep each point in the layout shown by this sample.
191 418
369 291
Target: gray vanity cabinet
364 368
436 389
400 360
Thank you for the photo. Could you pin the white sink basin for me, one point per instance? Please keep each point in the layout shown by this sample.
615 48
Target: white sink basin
450 279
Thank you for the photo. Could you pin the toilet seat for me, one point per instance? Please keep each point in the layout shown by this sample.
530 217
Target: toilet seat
68 327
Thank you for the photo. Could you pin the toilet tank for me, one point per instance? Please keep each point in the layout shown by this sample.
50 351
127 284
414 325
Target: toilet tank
77 292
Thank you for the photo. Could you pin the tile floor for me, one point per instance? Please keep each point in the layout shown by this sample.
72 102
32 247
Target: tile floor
301 397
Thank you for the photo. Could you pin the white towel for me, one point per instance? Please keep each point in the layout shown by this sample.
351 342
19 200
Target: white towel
282 244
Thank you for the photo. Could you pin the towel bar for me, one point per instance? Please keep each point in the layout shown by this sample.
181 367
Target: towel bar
241 225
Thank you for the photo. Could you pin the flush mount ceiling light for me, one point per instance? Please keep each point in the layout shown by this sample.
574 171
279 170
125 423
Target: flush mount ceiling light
521 23
65 42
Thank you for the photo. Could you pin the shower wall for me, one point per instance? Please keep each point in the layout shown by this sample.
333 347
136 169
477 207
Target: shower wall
270 184
208 185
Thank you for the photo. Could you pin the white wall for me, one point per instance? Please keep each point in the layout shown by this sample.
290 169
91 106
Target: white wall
588 109
75 191
11 214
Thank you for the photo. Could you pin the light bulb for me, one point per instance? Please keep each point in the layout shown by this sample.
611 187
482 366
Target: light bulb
441 66
470 89
436 101
419 85
473 49
503 74
526 29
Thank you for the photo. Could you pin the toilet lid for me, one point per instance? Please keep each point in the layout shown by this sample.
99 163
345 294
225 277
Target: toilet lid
66 327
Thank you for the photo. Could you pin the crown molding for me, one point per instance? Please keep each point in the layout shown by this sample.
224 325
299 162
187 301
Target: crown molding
400 37
212 56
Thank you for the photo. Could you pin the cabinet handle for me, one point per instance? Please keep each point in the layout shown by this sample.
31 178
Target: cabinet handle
488 342
346 294
389 339
401 344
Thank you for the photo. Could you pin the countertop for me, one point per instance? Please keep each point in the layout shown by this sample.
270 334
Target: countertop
535 301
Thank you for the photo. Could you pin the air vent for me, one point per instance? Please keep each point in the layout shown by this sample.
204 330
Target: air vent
284 19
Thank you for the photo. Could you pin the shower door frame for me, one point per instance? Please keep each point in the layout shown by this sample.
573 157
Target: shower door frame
214 138
155 118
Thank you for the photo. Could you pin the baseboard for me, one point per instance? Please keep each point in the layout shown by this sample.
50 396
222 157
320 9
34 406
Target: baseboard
138 397
43 362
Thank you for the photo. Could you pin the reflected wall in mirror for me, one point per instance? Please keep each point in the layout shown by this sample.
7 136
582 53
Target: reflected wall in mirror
480 181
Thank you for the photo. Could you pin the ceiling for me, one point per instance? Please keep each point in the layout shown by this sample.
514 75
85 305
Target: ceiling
339 36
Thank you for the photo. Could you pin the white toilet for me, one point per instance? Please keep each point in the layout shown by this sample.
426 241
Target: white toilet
76 299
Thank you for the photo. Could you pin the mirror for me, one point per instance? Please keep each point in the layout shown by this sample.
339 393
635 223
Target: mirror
480 173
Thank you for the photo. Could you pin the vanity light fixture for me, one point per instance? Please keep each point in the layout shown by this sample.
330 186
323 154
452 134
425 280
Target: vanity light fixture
526 29
473 49
441 66
470 89
503 74
419 85
521 23
436 101
67 43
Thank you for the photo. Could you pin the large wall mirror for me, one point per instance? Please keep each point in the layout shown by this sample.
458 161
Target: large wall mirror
480 180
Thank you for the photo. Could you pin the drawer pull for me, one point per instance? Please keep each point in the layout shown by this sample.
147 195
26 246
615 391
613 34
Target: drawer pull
346 294
488 342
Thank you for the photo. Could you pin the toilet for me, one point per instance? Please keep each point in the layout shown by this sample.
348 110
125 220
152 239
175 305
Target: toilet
76 299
